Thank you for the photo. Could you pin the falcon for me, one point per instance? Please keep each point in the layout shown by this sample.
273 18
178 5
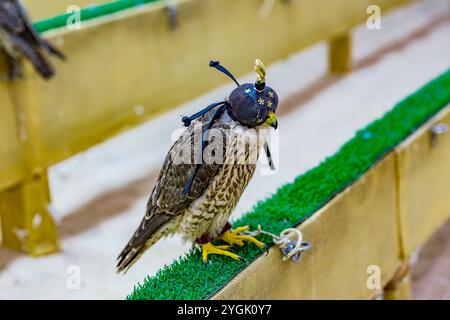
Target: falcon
196 192
19 38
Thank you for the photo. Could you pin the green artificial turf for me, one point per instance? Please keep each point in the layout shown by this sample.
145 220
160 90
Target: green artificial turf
188 278
88 13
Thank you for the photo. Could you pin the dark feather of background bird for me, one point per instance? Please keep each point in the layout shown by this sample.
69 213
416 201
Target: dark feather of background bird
19 38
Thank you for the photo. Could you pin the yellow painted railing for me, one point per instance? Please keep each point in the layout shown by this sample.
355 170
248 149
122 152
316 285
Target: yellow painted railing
423 163
132 66
42 9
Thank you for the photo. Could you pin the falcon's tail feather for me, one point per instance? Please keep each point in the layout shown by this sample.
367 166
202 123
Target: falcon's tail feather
144 237
40 63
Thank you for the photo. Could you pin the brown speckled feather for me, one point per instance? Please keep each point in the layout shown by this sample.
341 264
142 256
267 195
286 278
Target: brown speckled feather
167 203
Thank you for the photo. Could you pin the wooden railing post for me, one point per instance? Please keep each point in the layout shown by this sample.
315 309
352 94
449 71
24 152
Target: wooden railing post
340 53
27 224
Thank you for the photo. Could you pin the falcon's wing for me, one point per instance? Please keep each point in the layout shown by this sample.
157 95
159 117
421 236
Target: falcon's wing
167 199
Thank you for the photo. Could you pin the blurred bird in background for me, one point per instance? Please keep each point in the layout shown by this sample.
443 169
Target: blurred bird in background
196 199
19 38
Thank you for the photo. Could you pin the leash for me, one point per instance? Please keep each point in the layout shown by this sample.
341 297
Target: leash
291 249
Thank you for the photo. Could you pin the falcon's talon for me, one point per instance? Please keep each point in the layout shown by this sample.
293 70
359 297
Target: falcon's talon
241 229
209 248
234 237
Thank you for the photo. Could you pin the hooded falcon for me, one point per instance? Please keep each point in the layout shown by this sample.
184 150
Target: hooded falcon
196 192
19 38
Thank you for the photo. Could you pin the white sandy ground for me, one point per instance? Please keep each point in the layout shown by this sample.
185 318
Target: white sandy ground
307 135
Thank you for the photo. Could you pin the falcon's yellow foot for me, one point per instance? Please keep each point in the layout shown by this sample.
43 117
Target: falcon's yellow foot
209 248
234 237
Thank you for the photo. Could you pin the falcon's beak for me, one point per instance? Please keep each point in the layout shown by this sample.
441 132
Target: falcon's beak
271 121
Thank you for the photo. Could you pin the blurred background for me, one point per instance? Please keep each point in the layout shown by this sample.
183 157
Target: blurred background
336 69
